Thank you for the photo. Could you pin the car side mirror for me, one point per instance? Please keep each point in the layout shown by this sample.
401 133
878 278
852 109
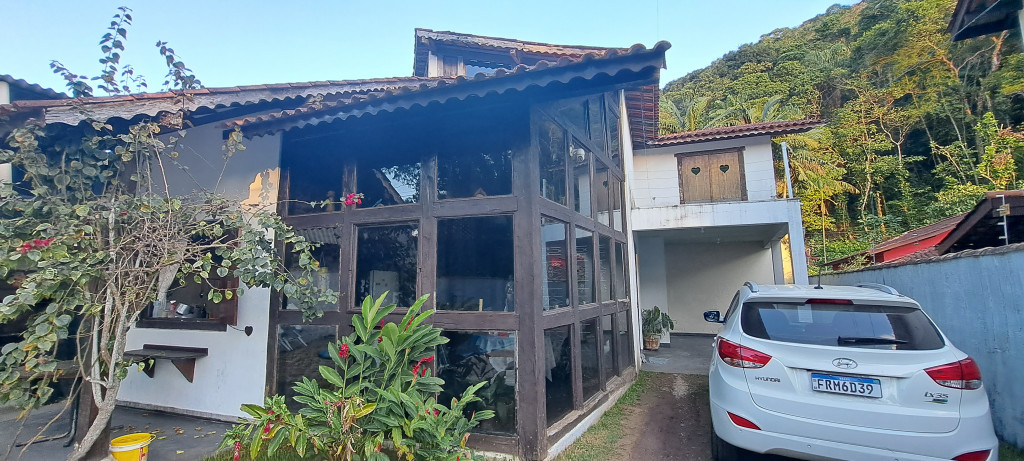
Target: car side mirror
713 317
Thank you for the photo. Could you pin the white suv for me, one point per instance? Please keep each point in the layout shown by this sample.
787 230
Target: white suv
848 373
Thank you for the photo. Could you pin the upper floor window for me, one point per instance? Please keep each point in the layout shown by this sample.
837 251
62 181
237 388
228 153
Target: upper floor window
711 176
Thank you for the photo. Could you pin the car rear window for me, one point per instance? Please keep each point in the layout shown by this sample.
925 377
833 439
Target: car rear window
843 325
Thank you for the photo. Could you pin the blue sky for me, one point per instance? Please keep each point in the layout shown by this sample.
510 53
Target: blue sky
259 41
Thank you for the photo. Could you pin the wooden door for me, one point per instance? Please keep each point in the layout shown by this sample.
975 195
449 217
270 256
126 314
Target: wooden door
724 169
694 178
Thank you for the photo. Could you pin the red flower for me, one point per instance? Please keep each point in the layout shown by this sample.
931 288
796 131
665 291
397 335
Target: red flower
428 359
238 450
381 324
359 201
343 351
379 339
377 449
436 412
266 428
270 412
416 369
123 212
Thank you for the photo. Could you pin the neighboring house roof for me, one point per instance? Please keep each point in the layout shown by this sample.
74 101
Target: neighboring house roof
641 101
205 100
607 64
35 90
982 227
911 237
974 18
738 131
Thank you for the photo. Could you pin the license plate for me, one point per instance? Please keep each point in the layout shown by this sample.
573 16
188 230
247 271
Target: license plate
849 385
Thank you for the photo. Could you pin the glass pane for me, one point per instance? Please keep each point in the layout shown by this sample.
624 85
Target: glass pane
625 341
601 206
842 325
614 140
604 250
386 261
584 266
470 357
589 358
327 254
620 271
314 177
475 264
616 203
576 112
607 347
301 349
555 283
387 181
595 116
580 160
480 169
558 372
552 141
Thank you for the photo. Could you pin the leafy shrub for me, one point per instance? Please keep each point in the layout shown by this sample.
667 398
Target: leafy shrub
377 399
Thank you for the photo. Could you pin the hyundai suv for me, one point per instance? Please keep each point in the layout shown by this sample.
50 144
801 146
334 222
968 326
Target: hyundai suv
848 373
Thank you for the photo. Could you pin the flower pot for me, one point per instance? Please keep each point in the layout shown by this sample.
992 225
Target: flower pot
652 344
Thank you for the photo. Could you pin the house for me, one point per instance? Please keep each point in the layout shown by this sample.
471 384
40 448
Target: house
974 18
995 221
913 243
706 218
494 178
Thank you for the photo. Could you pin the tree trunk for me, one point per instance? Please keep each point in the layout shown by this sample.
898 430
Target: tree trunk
92 435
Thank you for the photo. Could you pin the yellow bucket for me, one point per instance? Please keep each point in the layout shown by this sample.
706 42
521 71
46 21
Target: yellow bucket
131 447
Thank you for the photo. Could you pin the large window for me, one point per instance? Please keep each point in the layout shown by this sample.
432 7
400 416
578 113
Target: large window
474 171
327 254
558 372
386 262
625 341
301 350
602 208
553 144
471 357
555 271
607 346
388 181
475 264
604 252
584 266
315 177
580 161
590 357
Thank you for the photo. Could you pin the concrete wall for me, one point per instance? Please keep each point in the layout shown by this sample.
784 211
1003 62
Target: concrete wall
977 299
235 370
629 169
686 279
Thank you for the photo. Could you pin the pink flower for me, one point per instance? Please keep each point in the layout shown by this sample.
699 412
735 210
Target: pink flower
436 412
124 212
343 351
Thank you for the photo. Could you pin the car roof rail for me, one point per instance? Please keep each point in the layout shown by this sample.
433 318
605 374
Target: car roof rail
753 286
878 286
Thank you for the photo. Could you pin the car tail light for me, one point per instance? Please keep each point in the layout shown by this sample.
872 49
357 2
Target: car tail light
743 422
741 357
974 456
957 375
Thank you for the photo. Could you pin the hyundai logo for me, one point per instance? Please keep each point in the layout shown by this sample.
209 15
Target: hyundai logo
844 363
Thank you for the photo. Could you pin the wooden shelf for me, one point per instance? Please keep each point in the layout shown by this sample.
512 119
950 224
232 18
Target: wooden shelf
183 358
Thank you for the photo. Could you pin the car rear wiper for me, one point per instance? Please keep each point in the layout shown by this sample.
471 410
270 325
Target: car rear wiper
869 340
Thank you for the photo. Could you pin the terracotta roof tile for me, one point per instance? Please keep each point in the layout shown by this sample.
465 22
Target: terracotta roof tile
738 131
337 106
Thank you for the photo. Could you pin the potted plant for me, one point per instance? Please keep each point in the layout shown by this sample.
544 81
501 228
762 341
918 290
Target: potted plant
654 323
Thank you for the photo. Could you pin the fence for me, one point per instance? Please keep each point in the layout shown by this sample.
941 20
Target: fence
977 299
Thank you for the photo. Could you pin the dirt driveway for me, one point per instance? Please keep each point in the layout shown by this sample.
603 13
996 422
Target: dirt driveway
671 420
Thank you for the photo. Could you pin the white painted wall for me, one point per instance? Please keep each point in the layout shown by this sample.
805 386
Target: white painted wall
657 177
705 276
628 169
235 370
5 93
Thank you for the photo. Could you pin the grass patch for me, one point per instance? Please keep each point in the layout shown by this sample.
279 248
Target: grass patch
601 440
1009 452
282 454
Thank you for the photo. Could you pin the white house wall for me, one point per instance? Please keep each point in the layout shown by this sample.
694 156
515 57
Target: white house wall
705 276
628 169
235 370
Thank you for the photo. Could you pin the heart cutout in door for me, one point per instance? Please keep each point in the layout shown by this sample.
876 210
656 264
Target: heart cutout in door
724 168
695 170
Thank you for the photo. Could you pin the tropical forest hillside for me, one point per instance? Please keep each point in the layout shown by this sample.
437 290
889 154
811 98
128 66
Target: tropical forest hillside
918 126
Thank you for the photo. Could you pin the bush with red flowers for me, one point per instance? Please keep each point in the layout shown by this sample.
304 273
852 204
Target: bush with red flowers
378 400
